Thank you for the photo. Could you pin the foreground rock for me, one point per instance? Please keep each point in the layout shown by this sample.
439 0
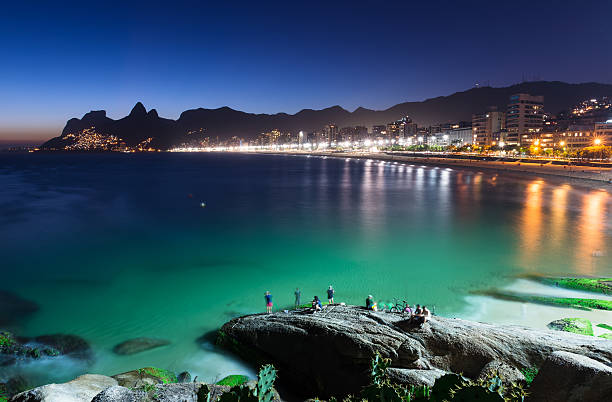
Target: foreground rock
138 345
571 377
81 389
330 352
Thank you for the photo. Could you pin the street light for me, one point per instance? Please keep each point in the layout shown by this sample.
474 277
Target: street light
597 141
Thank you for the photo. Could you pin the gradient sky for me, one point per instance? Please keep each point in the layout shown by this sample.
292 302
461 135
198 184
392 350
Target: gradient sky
60 60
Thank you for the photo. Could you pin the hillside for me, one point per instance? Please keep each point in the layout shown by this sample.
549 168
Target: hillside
196 124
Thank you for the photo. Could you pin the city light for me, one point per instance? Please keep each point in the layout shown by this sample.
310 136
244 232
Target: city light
597 141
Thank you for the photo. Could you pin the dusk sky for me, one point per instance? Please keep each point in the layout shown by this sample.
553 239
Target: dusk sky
60 60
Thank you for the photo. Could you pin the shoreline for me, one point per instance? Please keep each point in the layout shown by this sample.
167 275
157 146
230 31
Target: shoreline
592 177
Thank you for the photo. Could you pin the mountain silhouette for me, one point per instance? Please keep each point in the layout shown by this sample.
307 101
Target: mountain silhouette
196 124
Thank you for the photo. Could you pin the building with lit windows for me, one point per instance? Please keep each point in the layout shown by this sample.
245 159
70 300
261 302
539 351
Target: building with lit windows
603 131
487 127
524 118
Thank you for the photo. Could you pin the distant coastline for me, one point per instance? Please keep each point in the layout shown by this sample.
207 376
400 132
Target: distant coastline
594 177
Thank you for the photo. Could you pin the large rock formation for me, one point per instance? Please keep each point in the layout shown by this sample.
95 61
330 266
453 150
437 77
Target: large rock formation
573 378
330 352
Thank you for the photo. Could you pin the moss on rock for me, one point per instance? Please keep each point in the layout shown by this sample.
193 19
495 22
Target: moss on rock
598 285
607 335
6 341
166 376
580 326
605 326
233 380
571 302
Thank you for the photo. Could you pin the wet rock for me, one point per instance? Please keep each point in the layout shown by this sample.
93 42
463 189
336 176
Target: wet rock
13 307
505 372
68 345
330 352
138 345
81 389
571 377
183 377
580 326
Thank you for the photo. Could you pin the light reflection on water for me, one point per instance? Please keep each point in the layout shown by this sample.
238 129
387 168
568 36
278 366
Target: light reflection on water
163 266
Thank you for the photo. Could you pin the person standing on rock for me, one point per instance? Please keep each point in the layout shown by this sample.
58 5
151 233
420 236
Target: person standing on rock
330 295
269 304
298 297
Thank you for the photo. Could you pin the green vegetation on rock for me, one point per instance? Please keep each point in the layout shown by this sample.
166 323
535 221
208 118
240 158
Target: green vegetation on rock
6 340
606 335
580 326
166 376
529 373
233 380
571 302
3 393
598 285
605 326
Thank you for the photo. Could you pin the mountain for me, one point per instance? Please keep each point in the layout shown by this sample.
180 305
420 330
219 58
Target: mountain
195 124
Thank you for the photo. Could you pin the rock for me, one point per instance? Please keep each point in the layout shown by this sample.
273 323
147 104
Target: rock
145 376
69 345
119 394
580 326
414 376
138 345
330 352
190 392
13 349
13 307
571 377
81 389
183 377
505 372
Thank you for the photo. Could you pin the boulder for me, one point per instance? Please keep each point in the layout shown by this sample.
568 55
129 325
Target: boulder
13 307
329 353
13 349
138 345
81 389
189 392
120 394
414 377
146 376
69 345
507 373
571 377
183 377
580 326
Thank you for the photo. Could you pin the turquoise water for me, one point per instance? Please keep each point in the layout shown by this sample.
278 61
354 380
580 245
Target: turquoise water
116 246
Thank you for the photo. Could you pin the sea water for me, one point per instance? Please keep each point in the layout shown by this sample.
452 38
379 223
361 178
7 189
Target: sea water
117 246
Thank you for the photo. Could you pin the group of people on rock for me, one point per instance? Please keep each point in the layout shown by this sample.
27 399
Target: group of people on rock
316 303
420 315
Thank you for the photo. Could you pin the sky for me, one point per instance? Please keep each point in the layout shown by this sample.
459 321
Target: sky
59 60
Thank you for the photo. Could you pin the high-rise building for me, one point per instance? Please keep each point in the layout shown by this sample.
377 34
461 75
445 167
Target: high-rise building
487 127
379 132
331 133
524 118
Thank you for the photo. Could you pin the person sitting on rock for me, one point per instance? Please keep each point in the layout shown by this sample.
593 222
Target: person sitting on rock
370 302
426 314
416 315
316 304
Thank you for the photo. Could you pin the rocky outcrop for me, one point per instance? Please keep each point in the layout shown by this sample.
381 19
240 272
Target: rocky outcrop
571 377
146 376
13 307
576 325
138 345
330 352
14 349
81 389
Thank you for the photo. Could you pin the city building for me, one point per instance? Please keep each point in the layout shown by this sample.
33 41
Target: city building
487 127
603 131
524 118
331 134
